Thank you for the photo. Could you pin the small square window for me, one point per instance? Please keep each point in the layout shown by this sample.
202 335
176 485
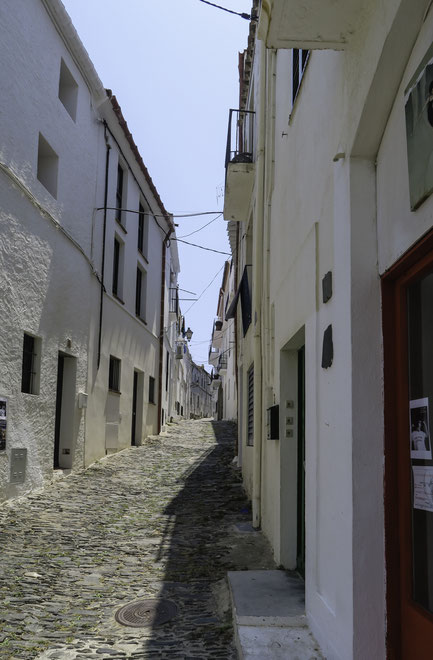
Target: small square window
151 389
48 166
114 375
68 90
31 364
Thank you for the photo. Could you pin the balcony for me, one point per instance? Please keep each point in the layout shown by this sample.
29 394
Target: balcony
309 24
213 356
222 362
240 167
174 301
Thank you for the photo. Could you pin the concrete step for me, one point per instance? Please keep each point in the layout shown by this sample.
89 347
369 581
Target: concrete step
269 616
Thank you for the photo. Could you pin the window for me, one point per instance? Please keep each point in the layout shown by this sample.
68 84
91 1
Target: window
117 268
143 230
48 166
167 370
119 193
68 90
250 406
299 62
30 365
140 294
151 389
114 375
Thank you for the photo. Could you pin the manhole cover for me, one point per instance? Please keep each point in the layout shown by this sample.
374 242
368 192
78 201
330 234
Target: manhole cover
151 612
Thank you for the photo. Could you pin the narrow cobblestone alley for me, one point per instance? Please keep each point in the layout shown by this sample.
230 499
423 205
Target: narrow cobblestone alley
156 521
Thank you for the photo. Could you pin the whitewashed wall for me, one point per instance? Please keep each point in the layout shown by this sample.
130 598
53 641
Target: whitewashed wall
48 286
327 208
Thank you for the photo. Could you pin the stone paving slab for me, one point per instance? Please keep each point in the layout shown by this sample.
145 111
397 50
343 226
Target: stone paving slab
157 521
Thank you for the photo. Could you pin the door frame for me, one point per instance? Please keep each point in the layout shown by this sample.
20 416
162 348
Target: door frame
418 260
289 447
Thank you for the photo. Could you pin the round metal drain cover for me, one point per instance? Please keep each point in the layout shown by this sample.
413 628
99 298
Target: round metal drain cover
142 613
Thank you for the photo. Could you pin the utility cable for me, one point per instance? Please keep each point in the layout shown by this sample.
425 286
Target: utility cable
201 246
204 290
230 11
206 225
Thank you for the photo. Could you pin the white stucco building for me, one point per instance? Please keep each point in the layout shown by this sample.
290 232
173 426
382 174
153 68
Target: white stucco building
201 394
222 350
329 179
86 261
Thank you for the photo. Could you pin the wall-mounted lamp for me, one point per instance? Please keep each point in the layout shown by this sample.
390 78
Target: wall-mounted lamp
189 333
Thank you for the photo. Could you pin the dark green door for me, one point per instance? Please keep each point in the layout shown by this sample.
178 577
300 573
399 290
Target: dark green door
300 553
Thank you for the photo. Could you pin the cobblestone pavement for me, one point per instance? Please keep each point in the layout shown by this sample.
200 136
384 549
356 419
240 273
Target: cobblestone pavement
156 521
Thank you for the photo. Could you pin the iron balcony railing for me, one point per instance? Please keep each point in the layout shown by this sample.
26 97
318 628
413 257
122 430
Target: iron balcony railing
240 137
222 362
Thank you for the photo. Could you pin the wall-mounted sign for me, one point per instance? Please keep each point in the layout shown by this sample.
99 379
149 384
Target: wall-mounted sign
419 131
420 442
423 487
3 423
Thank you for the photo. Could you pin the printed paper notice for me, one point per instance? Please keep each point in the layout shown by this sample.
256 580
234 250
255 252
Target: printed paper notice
420 446
423 488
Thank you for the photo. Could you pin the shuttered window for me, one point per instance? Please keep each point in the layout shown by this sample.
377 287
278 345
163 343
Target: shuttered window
250 403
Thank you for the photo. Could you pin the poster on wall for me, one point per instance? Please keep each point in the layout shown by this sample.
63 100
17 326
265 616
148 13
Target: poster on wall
419 132
420 442
423 487
3 423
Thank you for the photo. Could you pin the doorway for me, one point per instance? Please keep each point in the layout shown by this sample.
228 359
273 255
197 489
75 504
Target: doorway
65 412
408 352
137 408
300 540
292 454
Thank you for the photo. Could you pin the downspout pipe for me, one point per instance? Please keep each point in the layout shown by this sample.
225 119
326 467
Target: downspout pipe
257 289
104 234
165 244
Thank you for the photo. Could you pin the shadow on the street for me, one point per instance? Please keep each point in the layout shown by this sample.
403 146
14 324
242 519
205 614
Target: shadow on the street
197 548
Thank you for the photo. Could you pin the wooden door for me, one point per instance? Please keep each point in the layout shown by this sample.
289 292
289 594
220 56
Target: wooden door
408 346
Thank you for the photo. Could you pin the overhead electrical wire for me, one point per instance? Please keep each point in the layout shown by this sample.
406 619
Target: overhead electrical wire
205 289
201 247
197 230
230 11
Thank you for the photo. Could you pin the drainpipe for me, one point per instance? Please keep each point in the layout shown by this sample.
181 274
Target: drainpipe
101 301
257 291
161 324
